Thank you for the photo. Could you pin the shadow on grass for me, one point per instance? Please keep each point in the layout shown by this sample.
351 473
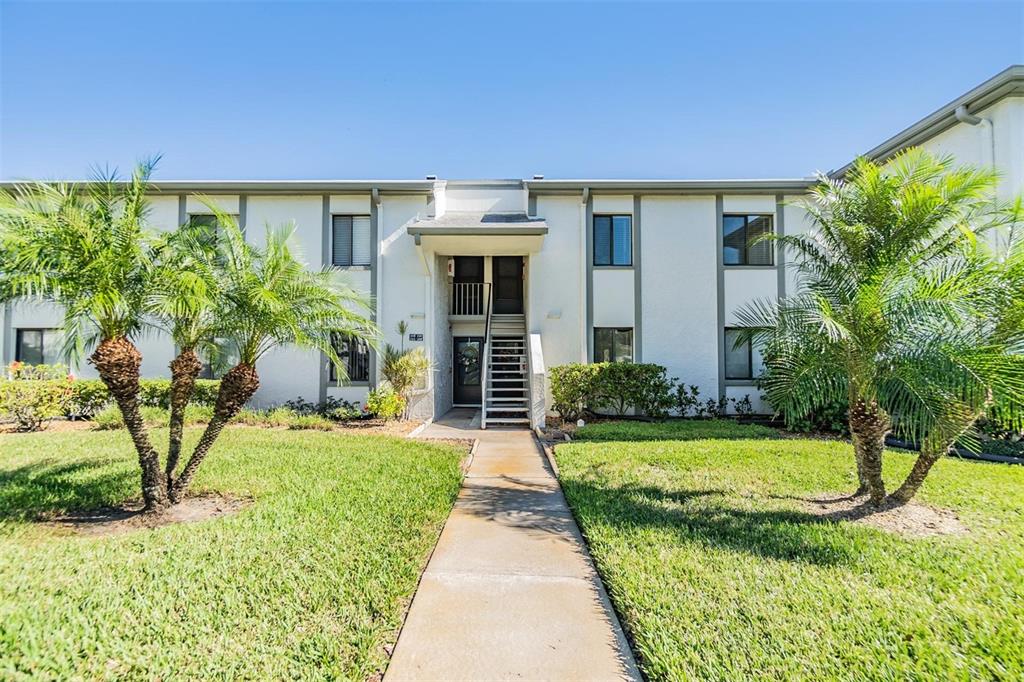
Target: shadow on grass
711 518
32 490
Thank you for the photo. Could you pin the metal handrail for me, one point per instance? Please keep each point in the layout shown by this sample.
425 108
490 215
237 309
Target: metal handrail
485 351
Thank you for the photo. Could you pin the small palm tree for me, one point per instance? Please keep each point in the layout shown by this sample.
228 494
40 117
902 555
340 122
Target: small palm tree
887 317
266 298
183 302
84 247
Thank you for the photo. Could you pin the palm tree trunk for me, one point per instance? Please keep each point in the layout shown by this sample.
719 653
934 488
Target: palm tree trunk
184 370
868 427
237 386
118 362
917 474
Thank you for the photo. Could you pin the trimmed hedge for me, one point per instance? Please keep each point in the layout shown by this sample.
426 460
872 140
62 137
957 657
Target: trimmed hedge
578 389
90 396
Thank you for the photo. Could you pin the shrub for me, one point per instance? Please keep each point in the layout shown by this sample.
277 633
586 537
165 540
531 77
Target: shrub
572 387
577 389
31 403
644 387
331 408
88 397
385 403
315 422
404 369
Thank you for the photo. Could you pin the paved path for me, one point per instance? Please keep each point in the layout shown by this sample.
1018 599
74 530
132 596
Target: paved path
510 591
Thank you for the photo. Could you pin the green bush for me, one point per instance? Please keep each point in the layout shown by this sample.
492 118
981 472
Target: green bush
90 396
644 387
31 403
572 387
385 403
578 389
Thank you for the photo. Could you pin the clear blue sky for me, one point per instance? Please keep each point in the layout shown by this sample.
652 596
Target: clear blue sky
333 90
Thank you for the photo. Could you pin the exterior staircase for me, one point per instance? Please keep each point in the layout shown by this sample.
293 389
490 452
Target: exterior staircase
507 382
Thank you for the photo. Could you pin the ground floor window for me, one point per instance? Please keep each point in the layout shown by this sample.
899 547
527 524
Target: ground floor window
37 346
742 360
355 356
612 344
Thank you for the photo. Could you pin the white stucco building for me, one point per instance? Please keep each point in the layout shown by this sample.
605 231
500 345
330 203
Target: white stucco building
550 271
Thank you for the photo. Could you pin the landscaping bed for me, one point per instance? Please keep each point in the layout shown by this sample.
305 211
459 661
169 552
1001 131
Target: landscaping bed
307 578
721 568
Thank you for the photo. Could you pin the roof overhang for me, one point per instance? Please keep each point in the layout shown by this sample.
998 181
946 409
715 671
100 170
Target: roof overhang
1006 83
277 186
472 233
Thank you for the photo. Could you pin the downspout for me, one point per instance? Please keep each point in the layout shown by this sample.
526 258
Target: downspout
989 140
584 198
378 279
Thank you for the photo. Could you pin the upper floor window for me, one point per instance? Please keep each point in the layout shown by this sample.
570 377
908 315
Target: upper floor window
355 356
350 240
613 240
37 346
740 240
613 344
742 360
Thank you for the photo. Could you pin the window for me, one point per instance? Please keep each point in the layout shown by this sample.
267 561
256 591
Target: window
37 346
217 360
741 361
613 240
350 240
613 345
739 234
355 355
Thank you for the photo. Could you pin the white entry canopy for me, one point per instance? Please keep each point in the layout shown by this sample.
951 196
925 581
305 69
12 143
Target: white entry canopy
473 233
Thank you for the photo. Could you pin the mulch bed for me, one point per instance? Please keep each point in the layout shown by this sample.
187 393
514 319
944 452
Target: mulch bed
911 520
129 517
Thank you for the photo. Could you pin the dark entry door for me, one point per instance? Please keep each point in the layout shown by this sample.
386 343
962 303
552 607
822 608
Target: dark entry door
508 285
466 368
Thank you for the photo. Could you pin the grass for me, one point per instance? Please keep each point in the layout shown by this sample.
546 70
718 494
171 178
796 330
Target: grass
673 429
309 581
718 572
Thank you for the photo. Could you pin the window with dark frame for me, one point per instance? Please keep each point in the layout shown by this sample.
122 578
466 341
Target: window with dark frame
350 240
739 359
741 243
613 344
37 346
355 355
613 240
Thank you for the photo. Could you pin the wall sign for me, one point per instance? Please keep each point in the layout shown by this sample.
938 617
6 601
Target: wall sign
415 337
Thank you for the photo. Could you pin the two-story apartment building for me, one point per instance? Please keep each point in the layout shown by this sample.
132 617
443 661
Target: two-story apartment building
499 279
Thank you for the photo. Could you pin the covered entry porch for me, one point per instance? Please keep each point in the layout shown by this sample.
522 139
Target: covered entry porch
483 358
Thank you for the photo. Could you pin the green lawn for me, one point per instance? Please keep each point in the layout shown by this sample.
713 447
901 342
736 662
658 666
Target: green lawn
310 581
672 429
720 574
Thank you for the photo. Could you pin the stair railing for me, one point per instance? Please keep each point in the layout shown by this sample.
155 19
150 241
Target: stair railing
485 351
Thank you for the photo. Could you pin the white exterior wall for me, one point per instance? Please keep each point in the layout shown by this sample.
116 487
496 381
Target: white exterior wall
679 284
288 372
555 299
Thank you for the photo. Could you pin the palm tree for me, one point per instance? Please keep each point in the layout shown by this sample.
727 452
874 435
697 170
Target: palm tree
183 301
84 246
266 298
886 318
991 348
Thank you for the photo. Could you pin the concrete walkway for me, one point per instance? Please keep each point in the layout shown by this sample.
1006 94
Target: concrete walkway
510 591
